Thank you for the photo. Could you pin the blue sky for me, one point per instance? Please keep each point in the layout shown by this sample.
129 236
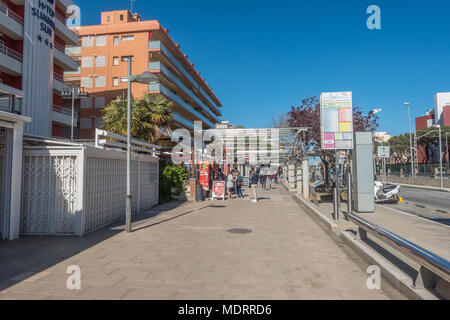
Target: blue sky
262 57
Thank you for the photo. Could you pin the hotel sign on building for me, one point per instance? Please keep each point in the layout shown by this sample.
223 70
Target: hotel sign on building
38 64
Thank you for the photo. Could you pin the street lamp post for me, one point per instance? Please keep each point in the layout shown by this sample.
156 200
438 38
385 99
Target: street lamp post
440 158
413 174
78 92
446 144
146 78
371 113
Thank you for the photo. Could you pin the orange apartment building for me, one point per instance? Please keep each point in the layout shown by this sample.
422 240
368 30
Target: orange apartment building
102 54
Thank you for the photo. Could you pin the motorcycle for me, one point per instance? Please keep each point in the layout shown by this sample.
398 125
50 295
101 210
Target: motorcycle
387 193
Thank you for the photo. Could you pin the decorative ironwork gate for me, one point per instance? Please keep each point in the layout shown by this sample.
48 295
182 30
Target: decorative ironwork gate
79 189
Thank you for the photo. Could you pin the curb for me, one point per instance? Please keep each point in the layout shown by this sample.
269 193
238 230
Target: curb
422 187
391 273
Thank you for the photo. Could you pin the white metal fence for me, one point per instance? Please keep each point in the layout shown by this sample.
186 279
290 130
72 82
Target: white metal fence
72 190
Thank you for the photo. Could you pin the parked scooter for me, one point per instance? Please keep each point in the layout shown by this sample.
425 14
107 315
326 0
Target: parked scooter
389 193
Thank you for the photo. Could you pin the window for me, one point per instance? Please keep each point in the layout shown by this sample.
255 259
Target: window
116 41
101 41
98 122
121 17
126 58
115 82
86 123
86 82
100 61
87 62
127 38
124 79
87 42
99 102
116 61
86 103
108 19
100 82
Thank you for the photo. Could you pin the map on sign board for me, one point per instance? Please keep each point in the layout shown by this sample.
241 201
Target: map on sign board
336 120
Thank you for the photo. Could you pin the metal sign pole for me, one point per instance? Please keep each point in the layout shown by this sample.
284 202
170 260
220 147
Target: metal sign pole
337 187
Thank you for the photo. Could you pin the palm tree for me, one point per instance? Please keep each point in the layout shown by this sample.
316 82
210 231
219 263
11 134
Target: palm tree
148 115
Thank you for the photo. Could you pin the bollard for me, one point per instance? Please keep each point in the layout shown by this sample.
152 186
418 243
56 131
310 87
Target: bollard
349 192
335 204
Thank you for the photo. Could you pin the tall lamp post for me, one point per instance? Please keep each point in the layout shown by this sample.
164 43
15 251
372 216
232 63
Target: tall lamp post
371 113
79 93
446 144
146 78
440 158
413 174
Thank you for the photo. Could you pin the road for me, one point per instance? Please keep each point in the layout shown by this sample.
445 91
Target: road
430 204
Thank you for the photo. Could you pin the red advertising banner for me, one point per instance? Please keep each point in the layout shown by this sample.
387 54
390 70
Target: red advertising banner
204 175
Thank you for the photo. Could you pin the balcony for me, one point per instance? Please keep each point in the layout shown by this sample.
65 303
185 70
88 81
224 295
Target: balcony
180 102
156 65
64 116
11 23
63 60
157 45
69 37
10 61
184 122
58 83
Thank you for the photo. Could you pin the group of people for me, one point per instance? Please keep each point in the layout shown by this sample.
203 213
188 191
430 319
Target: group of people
234 184
234 181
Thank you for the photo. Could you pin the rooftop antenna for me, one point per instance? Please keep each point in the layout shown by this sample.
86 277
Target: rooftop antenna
132 5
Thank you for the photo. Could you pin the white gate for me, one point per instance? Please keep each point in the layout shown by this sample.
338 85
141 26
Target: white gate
79 189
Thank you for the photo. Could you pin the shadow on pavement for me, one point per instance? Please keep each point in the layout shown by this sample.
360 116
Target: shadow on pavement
24 257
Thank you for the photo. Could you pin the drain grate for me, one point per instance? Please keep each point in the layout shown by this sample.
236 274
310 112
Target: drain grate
241 231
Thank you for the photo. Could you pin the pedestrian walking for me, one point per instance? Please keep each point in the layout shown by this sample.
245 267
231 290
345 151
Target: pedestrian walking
263 181
230 186
239 181
254 181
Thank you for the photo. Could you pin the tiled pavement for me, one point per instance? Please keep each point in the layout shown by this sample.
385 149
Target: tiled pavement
187 253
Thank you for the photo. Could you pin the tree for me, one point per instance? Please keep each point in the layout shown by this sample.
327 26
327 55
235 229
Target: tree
308 115
148 115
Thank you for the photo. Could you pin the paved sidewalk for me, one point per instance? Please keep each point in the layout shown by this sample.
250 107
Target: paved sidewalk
186 252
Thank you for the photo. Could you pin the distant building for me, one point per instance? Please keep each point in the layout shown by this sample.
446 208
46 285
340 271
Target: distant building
439 115
382 136
103 53
442 107
224 125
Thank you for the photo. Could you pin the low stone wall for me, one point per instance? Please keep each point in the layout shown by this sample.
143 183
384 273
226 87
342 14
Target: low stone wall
421 181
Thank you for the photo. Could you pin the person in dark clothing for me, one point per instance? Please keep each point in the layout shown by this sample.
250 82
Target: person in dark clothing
239 181
254 181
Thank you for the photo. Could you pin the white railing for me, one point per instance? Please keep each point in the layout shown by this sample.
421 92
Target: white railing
65 111
10 52
4 8
60 17
58 77
105 139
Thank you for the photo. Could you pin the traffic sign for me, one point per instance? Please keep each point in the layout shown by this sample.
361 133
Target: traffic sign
384 152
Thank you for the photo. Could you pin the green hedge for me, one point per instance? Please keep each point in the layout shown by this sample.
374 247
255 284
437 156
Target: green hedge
171 177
